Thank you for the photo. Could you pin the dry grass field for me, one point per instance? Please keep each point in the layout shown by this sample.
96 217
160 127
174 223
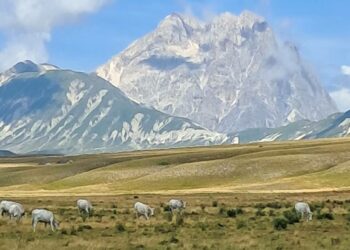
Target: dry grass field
239 197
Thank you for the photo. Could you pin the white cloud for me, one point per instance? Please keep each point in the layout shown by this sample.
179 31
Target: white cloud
345 70
342 98
27 25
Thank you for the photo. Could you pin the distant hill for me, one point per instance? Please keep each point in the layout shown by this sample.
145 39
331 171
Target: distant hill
5 153
336 125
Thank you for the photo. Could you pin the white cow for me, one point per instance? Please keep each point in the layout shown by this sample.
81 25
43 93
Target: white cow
176 204
44 216
304 209
16 211
143 209
84 206
5 207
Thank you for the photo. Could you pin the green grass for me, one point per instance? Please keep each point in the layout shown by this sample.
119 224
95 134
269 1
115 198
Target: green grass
200 226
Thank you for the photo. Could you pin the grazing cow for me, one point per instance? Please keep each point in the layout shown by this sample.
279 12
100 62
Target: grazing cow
176 204
44 216
143 209
84 206
303 209
16 211
5 207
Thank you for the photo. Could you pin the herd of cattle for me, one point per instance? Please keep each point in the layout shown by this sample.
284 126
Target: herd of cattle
16 211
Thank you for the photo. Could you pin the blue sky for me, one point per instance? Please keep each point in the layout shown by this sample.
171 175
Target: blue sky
87 37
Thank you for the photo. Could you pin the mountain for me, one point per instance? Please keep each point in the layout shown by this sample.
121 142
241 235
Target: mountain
69 112
227 75
6 153
335 125
26 66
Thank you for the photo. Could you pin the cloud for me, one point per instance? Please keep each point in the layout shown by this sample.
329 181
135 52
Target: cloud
26 25
345 70
342 98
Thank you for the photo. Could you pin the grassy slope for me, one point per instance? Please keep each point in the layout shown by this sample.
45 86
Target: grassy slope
314 165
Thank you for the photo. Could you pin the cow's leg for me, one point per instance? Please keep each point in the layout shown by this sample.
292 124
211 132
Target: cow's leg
34 222
52 226
146 215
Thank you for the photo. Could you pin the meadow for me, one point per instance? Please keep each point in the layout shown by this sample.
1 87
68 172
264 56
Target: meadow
215 221
239 197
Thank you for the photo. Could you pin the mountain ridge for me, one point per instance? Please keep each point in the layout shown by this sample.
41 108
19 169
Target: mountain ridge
72 112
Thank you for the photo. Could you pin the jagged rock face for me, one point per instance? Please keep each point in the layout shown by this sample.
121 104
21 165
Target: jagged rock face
69 112
227 75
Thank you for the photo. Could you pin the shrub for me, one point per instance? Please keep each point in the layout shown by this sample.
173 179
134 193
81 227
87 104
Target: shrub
163 163
119 228
291 216
82 227
136 197
260 206
325 216
202 207
239 211
280 223
166 208
274 204
231 213
173 240
222 211
260 212
271 213
215 203
64 231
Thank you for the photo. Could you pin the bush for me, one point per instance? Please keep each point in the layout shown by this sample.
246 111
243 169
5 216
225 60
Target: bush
291 216
280 223
271 213
119 228
222 211
64 231
274 204
260 206
214 203
239 211
325 216
163 163
166 208
202 207
260 212
231 213
82 227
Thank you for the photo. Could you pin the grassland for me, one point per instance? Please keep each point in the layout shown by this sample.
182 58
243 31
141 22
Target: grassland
263 179
205 224
319 165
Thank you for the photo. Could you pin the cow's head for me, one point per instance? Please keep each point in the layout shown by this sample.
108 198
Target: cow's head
56 223
310 216
151 211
